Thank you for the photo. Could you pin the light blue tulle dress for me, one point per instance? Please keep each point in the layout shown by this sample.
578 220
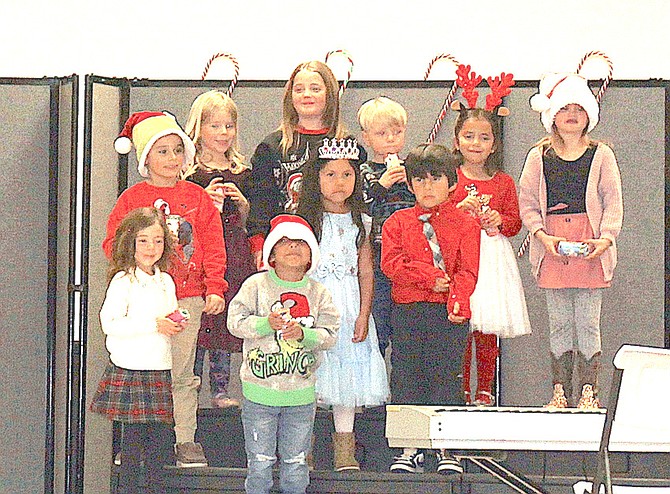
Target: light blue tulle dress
351 374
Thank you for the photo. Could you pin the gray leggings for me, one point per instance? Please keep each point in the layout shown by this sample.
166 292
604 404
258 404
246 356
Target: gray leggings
574 320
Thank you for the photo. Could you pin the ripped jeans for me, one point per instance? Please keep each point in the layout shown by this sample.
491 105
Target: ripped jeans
287 430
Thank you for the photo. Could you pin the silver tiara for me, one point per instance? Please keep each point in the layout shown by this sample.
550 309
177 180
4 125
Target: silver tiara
339 149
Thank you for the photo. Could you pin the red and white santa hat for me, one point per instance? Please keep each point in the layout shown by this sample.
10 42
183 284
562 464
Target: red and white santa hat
143 129
293 227
559 90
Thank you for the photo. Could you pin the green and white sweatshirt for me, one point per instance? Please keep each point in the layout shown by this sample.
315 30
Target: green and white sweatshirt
276 371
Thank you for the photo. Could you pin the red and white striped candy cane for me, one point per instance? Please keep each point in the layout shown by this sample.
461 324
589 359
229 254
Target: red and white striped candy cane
450 96
236 66
346 80
610 66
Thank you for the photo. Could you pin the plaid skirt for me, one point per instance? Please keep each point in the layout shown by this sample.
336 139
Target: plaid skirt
134 396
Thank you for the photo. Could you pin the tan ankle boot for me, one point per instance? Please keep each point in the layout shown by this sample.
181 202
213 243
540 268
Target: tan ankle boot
344 446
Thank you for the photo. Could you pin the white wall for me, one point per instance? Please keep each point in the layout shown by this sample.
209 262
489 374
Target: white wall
173 40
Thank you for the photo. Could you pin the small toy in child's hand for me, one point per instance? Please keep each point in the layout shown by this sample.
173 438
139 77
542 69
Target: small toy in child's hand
392 161
573 249
286 317
179 316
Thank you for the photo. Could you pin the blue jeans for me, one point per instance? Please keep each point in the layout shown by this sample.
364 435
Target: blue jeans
219 370
267 429
381 303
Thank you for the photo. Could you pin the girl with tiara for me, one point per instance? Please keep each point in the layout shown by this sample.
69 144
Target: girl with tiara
353 373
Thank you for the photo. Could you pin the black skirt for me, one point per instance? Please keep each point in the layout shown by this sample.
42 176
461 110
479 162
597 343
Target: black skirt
134 396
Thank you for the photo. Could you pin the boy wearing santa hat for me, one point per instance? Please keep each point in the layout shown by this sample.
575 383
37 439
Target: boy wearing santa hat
163 151
286 319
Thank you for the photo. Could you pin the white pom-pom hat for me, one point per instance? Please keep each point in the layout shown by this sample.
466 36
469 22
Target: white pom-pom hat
293 227
559 90
143 129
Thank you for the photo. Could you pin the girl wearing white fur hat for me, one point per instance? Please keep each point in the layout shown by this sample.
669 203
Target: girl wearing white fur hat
570 201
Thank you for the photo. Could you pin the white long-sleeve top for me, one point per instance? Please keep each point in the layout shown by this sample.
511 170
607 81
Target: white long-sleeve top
128 316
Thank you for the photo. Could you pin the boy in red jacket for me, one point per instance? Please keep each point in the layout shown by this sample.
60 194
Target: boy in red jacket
430 252
198 268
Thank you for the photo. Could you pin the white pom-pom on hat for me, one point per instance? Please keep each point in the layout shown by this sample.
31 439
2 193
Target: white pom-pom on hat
123 145
539 103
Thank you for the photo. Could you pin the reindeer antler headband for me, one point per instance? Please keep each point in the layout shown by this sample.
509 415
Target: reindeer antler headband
469 80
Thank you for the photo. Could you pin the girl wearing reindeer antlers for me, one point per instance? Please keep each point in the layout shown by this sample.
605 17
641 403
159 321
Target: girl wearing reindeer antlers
498 304
570 201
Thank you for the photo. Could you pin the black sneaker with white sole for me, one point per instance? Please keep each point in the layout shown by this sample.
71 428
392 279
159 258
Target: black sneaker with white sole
408 463
447 464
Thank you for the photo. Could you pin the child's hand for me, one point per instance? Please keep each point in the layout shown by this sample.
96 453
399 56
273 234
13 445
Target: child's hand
168 327
597 246
293 331
491 219
454 317
392 176
231 190
549 241
470 204
442 284
276 321
215 190
214 304
361 329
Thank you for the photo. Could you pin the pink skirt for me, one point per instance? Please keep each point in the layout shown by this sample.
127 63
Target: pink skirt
570 272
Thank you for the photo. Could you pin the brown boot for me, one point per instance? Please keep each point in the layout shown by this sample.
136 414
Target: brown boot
561 370
588 401
587 373
558 399
344 446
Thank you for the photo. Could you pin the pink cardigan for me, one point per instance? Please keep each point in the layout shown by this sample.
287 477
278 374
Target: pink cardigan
604 203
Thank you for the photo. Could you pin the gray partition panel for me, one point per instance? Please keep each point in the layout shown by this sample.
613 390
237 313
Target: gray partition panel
632 121
104 171
24 220
66 158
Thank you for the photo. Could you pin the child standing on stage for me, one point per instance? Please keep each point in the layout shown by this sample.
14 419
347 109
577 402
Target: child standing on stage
430 252
199 264
383 123
570 196
220 168
135 387
353 372
310 112
498 303
286 319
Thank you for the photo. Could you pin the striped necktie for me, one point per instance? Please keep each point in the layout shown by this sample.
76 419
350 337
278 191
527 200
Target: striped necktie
429 232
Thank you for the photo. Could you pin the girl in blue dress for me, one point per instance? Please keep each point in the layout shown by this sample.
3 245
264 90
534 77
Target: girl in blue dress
353 373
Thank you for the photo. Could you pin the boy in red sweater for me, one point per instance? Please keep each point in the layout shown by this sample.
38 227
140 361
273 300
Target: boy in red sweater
430 287
198 268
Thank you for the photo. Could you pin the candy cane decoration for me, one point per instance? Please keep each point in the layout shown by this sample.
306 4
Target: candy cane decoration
610 67
450 96
346 80
236 66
